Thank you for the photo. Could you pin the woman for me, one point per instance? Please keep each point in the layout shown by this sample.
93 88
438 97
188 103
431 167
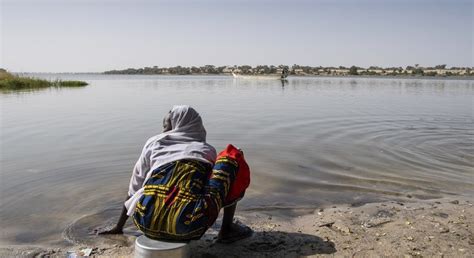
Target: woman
178 184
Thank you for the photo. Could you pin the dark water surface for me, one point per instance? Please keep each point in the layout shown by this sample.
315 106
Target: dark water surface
68 153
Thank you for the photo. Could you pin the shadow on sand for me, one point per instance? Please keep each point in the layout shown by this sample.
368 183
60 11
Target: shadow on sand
260 244
265 244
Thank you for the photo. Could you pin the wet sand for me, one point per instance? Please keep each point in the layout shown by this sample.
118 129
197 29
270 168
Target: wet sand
411 228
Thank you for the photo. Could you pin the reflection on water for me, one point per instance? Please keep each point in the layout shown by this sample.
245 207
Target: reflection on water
67 153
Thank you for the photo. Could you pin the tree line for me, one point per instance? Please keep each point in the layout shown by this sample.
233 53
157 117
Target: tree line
297 70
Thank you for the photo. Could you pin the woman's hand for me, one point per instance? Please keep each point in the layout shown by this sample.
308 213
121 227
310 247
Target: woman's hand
114 231
118 229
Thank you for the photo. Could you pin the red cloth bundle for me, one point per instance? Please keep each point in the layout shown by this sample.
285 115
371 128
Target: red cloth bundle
242 177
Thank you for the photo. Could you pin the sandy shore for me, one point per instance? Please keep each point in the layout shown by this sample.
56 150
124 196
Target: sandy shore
413 228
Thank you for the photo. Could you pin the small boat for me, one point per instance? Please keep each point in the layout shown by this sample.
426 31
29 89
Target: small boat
284 74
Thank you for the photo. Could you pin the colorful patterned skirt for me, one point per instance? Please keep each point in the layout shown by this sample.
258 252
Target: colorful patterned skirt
182 199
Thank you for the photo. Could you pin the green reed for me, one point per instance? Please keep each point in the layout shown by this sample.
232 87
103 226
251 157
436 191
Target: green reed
9 81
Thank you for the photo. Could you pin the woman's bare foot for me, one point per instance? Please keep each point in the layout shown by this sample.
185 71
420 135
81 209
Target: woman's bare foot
234 232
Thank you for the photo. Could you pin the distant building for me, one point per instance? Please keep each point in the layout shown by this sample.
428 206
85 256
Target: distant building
228 69
340 71
299 71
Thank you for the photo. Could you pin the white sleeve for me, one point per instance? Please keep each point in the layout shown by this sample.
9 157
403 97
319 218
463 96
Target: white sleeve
139 171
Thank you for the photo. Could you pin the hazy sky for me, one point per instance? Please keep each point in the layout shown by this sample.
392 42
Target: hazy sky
93 36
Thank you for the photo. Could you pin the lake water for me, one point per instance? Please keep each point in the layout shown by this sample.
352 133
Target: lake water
310 142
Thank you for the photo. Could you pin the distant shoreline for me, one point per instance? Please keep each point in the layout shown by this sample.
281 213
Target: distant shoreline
451 77
299 70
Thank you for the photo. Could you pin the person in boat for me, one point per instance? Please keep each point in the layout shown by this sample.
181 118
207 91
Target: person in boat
178 185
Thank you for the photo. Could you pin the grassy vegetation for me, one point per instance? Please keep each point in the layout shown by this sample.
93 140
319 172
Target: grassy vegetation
70 83
9 81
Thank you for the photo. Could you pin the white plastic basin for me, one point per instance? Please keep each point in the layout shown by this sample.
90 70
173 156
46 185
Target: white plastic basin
149 248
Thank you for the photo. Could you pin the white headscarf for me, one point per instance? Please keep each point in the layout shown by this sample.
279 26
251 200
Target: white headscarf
186 125
185 140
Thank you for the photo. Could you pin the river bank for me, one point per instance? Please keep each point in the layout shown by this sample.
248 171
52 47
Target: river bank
412 228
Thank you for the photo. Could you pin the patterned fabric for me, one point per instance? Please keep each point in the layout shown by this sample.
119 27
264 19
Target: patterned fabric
182 199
